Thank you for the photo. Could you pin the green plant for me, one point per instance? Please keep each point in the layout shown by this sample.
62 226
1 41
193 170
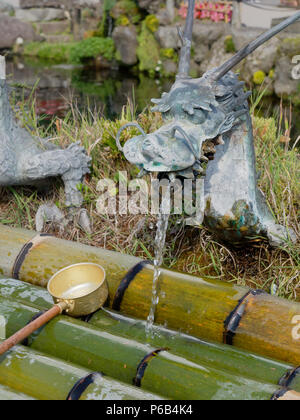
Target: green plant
168 53
229 44
91 48
259 77
57 53
152 23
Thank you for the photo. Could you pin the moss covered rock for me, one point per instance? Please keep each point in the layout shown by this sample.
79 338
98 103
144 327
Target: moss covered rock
259 77
148 51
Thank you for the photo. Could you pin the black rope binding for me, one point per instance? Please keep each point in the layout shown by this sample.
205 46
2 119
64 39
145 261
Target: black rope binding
137 381
287 380
125 282
278 394
81 385
25 342
232 322
23 254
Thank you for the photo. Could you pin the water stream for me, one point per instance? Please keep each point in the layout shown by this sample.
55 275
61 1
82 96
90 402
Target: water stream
159 245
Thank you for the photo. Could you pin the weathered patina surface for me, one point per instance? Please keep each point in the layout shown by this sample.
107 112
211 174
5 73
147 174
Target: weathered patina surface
208 133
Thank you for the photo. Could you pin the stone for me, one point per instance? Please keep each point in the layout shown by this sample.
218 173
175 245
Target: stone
290 47
152 6
38 15
207 33
11 29
263 59
125 38
285 85
217 56
169 67
5 7
294 28
59 39
53 28
242 37
202 53
167 37
27 4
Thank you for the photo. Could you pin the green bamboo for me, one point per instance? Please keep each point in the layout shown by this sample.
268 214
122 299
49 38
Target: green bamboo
192 305
8 394
222 357
47 378
172 376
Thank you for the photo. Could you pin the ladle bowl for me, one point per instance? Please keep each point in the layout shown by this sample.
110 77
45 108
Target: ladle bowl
82 287
79 290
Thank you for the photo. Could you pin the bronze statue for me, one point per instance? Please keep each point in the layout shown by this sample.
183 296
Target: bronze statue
212 111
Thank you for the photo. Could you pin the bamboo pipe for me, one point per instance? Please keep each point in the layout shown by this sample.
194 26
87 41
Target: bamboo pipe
222 357
29 329
167 374
192 305
47 378
8 394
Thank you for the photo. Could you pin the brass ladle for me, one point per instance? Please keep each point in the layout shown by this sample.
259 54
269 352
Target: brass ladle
78 290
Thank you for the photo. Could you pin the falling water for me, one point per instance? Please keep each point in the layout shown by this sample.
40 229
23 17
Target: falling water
160 240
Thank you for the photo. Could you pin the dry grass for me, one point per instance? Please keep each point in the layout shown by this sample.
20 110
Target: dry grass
188 249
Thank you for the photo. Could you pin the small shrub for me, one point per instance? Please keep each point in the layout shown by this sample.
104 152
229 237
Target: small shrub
91 48
259 77
229 44
168 53
152 23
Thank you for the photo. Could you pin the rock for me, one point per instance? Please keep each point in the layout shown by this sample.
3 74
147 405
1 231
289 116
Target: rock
284 85
163 17
217 56
264 58
290 47
152 6
294 28
125 38
201 53
167 37
11 29
207 33
38 15
242 37
169 67
5 7
59 39
27 4
53 28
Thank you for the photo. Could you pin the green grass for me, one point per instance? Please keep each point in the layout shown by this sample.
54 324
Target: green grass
191 250
73 52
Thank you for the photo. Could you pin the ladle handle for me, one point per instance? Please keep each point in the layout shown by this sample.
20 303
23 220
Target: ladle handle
25 332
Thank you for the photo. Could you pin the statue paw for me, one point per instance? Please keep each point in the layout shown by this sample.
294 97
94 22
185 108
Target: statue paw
80 161
49 213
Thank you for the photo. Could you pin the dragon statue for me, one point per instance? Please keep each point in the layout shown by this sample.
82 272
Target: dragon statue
207 124
25 160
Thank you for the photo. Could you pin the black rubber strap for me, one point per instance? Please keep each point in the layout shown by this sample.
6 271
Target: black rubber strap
287 380
81 385
24 252
125 282
137 381
232 322
36 316
278 394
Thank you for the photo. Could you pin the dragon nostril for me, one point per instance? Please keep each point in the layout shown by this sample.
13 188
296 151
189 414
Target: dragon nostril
122 129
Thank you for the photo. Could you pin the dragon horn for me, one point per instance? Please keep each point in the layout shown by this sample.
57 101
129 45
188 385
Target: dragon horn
186 38
248 49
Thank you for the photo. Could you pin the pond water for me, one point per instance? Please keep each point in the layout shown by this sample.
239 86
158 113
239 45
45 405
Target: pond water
107 90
